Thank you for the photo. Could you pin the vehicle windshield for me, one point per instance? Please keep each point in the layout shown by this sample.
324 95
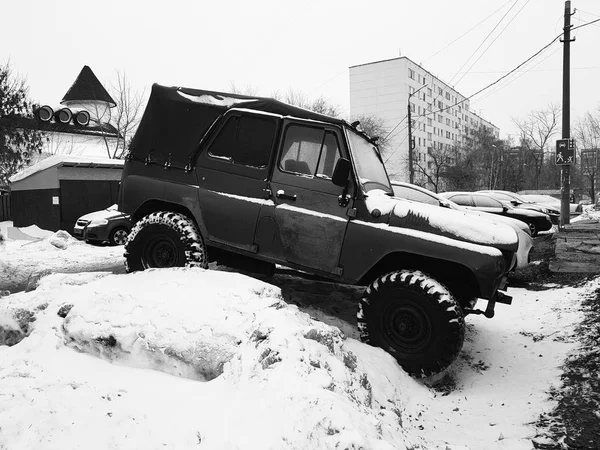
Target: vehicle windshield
369 166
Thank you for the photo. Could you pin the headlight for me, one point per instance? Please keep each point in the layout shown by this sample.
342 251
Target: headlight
98 222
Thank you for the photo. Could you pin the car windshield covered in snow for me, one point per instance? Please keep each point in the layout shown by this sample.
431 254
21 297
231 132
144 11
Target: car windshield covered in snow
369 166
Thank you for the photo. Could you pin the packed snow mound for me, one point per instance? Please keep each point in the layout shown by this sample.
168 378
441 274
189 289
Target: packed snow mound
24 263
265 374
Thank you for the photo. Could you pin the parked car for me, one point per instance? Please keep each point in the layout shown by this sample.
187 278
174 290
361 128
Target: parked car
218 176
535 220
519 202
419 194
105 225
540 199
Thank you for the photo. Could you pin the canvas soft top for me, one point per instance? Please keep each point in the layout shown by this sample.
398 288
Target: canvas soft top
177 118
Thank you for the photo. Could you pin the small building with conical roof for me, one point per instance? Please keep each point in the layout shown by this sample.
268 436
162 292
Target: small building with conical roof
88 93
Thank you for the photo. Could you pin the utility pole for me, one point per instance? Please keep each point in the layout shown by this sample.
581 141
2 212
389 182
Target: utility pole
411 144
565 189
411 171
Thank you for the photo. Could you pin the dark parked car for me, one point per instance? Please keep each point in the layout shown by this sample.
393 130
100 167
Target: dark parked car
555 203
479 201
227 177
419 194
519 202
105 225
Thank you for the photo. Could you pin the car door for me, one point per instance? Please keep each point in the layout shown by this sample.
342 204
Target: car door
232 174
307 216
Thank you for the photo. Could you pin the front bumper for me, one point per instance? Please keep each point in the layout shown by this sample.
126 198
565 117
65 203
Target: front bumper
88 233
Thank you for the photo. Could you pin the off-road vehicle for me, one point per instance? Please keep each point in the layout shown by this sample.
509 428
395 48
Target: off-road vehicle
211 175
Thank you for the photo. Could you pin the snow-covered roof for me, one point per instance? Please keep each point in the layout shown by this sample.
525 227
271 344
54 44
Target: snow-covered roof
67 161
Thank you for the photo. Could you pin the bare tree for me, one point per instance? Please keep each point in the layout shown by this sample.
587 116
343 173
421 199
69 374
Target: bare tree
536 130
433 169
249 89
374 127
126 116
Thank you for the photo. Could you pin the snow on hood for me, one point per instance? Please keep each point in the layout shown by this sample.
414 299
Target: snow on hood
445 222
107 213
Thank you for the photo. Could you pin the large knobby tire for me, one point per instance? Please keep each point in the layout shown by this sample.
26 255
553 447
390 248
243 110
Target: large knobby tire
414 318
164 239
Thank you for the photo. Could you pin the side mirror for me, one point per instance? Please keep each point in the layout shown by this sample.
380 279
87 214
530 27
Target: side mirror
341 173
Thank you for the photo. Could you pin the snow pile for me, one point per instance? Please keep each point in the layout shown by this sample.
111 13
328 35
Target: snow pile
252 372
23 263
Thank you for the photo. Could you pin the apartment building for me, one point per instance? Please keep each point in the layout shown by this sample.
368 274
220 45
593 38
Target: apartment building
441 117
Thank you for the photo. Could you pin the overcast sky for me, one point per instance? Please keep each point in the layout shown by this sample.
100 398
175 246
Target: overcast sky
306 45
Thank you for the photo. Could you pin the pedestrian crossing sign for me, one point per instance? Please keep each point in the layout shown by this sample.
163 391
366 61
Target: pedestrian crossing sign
565 152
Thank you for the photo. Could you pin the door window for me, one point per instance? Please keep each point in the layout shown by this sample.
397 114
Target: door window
481 201
309 151
462 199
245 140
414 195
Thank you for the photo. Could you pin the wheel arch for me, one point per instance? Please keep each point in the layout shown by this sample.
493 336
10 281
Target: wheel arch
155 205
459 279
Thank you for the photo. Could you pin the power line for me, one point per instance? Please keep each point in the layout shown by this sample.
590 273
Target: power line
486 38
585 24
466 32
520 74
495 39
507 74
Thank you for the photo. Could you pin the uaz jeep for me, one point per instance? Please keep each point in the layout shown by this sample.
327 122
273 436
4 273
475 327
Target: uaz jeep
211 175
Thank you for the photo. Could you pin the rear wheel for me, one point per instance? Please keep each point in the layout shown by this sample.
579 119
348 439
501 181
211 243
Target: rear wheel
164 239
415 319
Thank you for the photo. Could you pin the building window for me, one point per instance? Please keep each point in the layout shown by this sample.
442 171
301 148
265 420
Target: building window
429 92
447 95
411 90
429 136
429 121
411 74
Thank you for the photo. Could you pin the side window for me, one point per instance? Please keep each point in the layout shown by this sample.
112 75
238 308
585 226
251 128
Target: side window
462 199
330 153
255 141
223 145
414 195
486 202
309 151
245 140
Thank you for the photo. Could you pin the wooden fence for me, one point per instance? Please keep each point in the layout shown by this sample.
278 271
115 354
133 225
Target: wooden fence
5 207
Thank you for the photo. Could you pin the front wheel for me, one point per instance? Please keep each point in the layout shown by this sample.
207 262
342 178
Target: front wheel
118 236
164 239
415 319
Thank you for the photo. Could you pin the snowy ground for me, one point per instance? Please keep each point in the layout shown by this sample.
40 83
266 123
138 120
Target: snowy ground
188 358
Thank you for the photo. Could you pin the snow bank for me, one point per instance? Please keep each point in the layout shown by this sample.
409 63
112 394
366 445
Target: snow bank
252 371
23 263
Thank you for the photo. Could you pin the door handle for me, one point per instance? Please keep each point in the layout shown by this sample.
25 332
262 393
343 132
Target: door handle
281 194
